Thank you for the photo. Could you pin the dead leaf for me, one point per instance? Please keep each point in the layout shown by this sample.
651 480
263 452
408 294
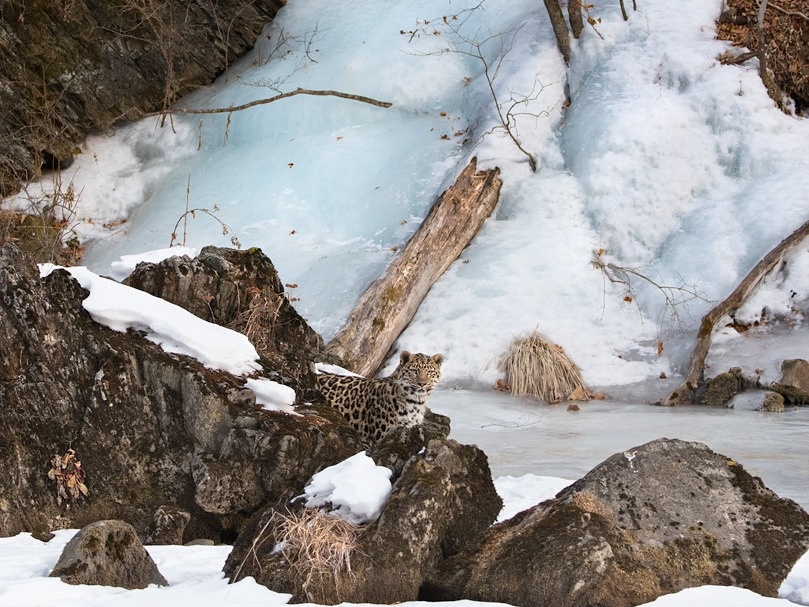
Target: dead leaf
579 394
502 385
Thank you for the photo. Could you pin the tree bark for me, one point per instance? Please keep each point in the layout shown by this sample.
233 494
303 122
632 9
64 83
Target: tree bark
574 15
685 392
559 27
388 305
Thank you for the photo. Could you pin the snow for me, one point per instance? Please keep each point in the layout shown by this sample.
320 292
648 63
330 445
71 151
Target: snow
666 163
272 395
176 330
334 369
355 489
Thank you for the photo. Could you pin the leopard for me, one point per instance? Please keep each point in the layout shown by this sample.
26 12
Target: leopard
374 406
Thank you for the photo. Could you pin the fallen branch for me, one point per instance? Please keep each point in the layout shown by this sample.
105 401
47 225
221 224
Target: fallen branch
245 106
388 305
694 378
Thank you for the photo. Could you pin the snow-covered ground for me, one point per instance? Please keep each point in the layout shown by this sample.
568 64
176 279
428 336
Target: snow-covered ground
666 163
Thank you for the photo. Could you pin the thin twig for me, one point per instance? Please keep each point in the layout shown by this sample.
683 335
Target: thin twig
490 73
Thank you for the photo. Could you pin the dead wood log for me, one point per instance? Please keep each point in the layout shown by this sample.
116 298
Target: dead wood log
388 305
694 377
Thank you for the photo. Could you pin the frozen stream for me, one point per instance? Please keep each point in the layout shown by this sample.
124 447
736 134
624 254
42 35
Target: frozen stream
523 436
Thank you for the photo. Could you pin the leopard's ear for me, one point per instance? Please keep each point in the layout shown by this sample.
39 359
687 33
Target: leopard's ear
437 358
404 356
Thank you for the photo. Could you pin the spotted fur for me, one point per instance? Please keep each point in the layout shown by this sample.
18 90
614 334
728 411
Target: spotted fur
373 406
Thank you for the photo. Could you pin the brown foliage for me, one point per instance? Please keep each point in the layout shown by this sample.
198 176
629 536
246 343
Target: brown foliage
786 32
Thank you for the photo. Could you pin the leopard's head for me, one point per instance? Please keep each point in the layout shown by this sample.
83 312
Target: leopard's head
420 370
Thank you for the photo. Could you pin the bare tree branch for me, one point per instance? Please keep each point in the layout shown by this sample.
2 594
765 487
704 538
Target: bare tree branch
473 47
676 295
297 91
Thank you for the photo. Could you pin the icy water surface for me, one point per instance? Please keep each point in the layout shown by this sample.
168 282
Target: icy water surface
522 436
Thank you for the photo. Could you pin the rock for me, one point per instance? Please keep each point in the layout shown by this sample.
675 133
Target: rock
794 382
400 444
442 502
149 428
720 390
795 373
107 553
200 542
240 290
732 16
653 520
167 528
772 401
74 68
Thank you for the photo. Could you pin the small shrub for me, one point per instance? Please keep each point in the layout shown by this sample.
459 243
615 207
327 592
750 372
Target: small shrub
536 367
43 231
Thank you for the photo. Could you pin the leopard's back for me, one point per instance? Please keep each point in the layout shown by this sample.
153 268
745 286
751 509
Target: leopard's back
373 406
368 405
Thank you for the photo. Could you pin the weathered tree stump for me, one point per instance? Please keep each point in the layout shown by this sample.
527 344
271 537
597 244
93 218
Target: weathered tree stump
388 305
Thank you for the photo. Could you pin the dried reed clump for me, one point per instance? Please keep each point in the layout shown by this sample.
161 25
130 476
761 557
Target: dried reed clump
259 319
317 544
538 368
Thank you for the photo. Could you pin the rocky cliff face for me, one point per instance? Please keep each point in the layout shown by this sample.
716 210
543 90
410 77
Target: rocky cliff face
72 67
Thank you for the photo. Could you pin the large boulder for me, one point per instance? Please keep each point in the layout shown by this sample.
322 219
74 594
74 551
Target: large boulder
151 430
107 553
653 520
442 502
73 68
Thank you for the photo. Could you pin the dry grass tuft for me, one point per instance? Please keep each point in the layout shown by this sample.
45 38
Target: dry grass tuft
538 368
258 320
317 544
